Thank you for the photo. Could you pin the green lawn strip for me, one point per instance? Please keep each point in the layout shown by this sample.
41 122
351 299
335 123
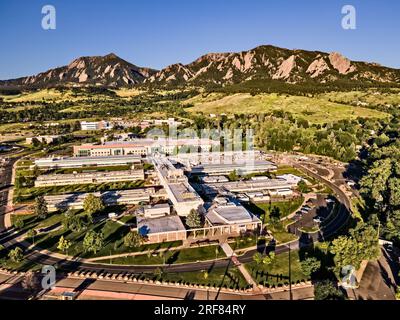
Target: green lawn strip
290 170
277 273
171 256
284 208
313 229
280 233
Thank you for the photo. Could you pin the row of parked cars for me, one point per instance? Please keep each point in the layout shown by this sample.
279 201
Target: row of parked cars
308 207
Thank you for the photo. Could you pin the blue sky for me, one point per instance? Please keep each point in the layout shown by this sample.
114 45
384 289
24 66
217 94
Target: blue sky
156 33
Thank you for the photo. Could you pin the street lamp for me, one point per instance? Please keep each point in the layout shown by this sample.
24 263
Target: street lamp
290 277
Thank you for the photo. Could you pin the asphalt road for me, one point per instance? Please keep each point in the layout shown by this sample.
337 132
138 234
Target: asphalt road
6 184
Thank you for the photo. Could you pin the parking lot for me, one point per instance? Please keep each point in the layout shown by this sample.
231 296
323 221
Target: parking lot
313 214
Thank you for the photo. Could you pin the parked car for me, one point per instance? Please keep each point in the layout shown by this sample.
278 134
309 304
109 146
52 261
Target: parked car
318 219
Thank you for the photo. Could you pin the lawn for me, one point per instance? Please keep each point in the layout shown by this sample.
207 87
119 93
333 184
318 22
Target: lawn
315 110
371 97
280 233
113 233
171 256
277 273
290 170
283 209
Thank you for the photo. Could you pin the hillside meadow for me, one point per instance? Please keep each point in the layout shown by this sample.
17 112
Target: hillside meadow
315 110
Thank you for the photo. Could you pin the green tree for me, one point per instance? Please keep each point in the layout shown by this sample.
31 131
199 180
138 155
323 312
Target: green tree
93 241
73 222
31 234
40 208
64 244
361 244
258 258
310 265
93 204
327 290
16 255
269 258
133 240
193 220
233 176
19 223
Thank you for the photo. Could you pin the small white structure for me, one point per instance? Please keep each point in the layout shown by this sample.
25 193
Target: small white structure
95 125
157 210
291 179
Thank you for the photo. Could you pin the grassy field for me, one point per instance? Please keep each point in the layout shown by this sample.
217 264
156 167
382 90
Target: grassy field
278 271
315 110
263 210
370 97
113 234
171 257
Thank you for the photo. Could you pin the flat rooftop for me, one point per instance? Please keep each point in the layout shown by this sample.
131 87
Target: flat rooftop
183 192
90 159
159 225
230 214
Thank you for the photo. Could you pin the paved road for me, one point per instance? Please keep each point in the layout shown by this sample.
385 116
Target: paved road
6 183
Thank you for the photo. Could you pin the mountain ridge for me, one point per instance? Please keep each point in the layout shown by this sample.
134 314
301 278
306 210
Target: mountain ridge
265 62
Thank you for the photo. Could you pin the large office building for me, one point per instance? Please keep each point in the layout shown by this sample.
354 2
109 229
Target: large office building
75 162
89 178
119 197
239 167
275 187
183 197
143 147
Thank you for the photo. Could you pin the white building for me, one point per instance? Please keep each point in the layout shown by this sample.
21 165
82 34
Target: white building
157 210
144 147
75 162
235 218
95 125
89 178
120 197
183 197
290 178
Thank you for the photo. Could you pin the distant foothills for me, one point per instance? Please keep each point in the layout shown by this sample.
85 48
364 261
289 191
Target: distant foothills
264 64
